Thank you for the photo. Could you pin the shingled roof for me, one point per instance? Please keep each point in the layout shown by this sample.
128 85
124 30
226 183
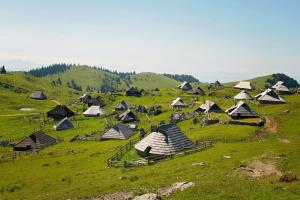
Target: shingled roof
281 88
178 103
186 86
243 95
60 112
91 101
127 116
123 105
63 125
94 111
38 95
217 84
269 96
209 106
244 85
241 110
198 91
167 140
133 91
117 132
35 141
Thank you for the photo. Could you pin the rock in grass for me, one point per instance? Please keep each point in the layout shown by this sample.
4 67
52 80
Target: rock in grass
150 196
288 178
199 164
176 186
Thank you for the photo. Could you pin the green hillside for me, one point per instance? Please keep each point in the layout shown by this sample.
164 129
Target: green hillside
78 170
149 80
269 80
16 87
85 76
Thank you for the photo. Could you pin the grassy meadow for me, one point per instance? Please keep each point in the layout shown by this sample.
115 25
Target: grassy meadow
78 170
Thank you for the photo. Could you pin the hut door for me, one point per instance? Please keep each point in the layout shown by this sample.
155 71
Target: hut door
147 151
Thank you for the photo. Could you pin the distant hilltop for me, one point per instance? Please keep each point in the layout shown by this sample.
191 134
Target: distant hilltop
87 78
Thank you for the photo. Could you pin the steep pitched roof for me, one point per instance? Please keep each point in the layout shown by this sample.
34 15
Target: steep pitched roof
185 86
36 140
209 106
123 105
133 91
241 110
244 85
243 95
63 125
118 132
127 116
60 112
217 84
178 103
39 95
94 111
167 140
269 96
281 87
198 91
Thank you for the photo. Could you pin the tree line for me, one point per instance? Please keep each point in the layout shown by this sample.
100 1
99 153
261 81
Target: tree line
288 81
182 78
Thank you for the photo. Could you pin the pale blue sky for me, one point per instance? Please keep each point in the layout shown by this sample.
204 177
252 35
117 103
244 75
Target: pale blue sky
212 39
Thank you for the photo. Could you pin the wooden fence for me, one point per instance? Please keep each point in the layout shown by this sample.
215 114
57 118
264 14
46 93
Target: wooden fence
115 160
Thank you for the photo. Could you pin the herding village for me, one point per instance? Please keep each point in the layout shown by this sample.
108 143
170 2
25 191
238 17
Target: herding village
88 132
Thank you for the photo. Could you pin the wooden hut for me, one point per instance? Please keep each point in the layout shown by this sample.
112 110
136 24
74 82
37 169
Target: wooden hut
166 140
60 112
241 110
117 132
35 141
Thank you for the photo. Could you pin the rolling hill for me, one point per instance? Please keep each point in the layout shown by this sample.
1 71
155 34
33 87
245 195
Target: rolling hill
269 80
98 79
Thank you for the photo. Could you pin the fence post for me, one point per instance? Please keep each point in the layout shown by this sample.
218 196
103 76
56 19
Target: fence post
125 164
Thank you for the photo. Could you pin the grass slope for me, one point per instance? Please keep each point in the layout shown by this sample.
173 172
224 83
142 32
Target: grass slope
258 82
88 76
149 80
74 170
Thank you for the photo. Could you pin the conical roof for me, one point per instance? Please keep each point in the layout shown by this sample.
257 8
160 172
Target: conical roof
94 111
281 88
217 84
133 91
123 105
36 140
127 116
39 95
198 91
167 140
244 85
243 95
269 96
60 112
178 103
209 106
63 125
185 86
118 132
241 110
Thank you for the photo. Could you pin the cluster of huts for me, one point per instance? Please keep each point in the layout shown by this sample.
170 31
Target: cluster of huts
165 139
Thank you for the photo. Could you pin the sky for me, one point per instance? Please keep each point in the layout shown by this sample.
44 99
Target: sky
211 39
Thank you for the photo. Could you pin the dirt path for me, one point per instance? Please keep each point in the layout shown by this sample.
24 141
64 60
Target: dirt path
271 126
15 115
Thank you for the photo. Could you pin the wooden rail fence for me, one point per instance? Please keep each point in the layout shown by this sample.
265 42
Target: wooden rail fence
115 160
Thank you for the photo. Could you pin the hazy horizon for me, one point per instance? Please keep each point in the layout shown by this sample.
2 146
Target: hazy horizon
211 40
